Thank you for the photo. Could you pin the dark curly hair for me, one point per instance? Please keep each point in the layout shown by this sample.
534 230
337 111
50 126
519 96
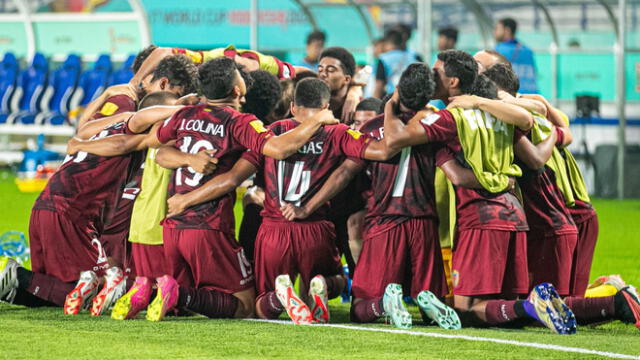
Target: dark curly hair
347 61
282 108
312 93
141 57
180 71
218 77
504 77
461 65
416 86
485 88
263 95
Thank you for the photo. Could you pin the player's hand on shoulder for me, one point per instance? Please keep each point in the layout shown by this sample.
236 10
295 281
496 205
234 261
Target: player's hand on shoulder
127 89
463 101
176 205
292 212
72 145
204 162
325 117
350 104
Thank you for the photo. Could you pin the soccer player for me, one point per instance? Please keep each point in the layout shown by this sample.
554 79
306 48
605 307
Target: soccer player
283 248
366 110
490 250
400 246
337 68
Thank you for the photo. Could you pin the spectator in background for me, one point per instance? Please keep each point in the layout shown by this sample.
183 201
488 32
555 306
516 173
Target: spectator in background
520 56
392 63
379 47
315 45
366 110
447 38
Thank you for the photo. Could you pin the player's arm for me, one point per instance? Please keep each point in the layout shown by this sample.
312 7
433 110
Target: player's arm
556 116
535 156
282 146
397 134
379 151
147 117
171 158
93 127
338 180
531 105
354 94
508 113
212 189
95 105
459 175
150 64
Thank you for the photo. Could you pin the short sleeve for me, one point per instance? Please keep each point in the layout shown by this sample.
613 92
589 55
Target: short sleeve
250 132
439 126
115 105
256 159
169 129
352 143
443 155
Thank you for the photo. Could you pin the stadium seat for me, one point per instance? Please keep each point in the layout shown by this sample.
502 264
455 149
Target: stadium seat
57 98
9 69
29 91
92 83
124 74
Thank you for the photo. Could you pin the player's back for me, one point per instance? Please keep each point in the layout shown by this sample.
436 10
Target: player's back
402 187
86 185
296 179
197 128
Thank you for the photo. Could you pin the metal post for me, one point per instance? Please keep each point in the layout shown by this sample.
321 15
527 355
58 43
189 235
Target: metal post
24 10
253 25
425 28
620 93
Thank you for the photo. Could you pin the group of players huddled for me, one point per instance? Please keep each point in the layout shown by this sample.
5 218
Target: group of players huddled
473 211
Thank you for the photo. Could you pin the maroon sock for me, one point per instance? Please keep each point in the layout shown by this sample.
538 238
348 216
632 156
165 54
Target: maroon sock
270 306
210 303
500 312
49 288
367 310
335 285
592 310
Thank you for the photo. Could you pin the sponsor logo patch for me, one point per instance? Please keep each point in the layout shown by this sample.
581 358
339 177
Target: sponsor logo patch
354 133
430 119
258 126
455 278
108 109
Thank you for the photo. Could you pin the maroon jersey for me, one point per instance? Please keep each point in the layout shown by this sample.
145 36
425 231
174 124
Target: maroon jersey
543 202
296 179
475 209
203 127
402 187
115 105
85 187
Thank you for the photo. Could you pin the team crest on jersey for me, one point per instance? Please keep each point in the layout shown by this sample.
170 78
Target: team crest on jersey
108 109
455 278
430 119
354 133
258 126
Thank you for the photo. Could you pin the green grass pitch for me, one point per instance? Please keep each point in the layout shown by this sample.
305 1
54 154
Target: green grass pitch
45 333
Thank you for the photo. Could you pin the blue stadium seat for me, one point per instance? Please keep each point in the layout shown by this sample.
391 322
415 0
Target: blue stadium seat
31 85
92 83
9 69
62 83
124 74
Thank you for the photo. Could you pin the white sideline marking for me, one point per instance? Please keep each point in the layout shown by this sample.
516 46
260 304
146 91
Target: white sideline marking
467 337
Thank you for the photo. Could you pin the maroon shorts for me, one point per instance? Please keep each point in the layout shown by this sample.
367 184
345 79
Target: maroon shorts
583 256
63 247
294 248
148 260
550 259
408 254
489 262
203 258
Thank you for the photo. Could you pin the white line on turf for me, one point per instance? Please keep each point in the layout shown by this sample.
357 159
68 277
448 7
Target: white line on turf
467 337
